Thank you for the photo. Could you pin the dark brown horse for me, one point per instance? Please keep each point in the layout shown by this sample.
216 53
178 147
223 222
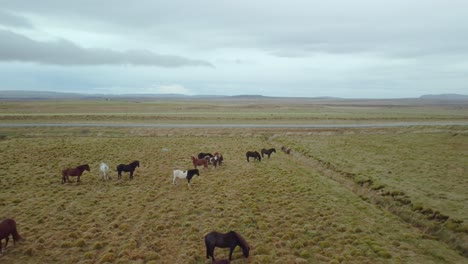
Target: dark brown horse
7 228
74 172
268 152
199 162
127 168
229 240
253 154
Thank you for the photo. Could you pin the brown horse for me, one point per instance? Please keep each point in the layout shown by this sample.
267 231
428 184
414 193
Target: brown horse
74 172
199 162
7 228
229 240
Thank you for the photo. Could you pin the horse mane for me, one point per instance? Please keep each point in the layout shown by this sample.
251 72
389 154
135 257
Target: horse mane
83 167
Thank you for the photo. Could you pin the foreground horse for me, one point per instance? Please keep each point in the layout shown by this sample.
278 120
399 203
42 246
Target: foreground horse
127 168
104 171
74 172
199 162
187 174
267 152
253 154
229 240
7 228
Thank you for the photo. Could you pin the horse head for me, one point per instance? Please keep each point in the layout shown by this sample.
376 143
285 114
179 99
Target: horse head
86 167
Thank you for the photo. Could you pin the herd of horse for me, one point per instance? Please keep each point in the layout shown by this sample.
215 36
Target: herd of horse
214 239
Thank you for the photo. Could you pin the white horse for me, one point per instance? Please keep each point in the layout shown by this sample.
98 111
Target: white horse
104 171
187 174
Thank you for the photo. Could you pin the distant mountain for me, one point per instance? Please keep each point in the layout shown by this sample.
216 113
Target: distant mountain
46 95
445 96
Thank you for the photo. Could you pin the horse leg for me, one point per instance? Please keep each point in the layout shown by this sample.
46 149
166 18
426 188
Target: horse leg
6 243
131 175
210 252
231 249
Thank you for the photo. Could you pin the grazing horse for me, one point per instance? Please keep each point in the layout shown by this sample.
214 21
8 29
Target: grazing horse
268 152
104 171
202 155
127 168
199 162
74 172
186 174
229 240
286 150
7 228
253 154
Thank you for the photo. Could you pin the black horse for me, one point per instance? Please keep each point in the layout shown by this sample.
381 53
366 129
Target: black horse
229 240
127 168
268 152
253 154
202 155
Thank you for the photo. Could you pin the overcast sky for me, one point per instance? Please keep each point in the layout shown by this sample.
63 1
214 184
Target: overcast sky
350 49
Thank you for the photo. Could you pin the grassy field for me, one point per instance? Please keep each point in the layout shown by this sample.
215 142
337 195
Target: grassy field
229 112
285 207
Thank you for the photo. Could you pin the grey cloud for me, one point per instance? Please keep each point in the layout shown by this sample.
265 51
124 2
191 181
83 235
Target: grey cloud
15 47
12 20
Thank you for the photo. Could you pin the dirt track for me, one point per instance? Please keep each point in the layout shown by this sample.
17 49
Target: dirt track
367 125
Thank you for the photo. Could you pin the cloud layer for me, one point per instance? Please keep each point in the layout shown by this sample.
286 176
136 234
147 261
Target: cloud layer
362 48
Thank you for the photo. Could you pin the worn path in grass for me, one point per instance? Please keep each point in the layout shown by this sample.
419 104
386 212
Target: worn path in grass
287 211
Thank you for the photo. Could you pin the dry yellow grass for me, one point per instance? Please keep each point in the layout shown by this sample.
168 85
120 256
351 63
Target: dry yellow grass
285 209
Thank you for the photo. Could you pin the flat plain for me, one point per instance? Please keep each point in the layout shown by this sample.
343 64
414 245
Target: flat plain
341 196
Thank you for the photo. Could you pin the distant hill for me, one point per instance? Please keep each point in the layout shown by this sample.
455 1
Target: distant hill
445 96
46 95
440 99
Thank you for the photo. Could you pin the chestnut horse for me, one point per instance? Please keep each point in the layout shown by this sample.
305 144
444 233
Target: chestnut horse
74 172
229 240
7 228
199 162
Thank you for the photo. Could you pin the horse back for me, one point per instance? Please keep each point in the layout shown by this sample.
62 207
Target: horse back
221 240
